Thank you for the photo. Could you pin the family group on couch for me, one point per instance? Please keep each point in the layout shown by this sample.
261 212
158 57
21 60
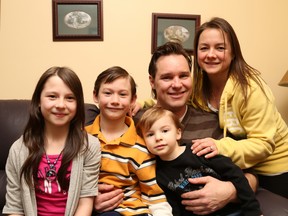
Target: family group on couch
227 109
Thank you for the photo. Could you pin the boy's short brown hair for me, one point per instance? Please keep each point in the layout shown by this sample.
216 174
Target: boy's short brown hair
153 114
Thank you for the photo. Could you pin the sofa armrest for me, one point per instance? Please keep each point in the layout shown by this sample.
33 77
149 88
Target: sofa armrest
272 204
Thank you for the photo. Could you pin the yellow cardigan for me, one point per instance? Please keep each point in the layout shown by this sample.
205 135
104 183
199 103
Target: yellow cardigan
261 132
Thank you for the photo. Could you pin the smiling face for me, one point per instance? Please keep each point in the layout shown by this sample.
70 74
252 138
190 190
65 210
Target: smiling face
172 83
214 52
115 99
161 138
57 103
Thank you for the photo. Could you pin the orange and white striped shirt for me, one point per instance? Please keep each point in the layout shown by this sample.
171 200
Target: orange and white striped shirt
127 164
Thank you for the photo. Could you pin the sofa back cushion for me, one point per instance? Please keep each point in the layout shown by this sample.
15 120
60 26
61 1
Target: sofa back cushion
13 118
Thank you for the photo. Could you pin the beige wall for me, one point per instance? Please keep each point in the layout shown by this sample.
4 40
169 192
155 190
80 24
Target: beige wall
27 49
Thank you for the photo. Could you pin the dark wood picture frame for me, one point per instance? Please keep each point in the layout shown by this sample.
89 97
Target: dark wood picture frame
77 20
186 24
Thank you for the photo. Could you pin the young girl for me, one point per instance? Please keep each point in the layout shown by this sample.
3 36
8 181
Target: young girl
53 168
126 162
161 130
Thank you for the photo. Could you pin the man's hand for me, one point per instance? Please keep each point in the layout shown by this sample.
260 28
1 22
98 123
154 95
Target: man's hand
134 109
212 197
108 198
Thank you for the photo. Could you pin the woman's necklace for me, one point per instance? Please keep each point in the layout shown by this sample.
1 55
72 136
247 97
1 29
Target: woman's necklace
51 173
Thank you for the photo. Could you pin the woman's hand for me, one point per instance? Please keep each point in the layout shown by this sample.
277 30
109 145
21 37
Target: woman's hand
108 198
212 197
205 147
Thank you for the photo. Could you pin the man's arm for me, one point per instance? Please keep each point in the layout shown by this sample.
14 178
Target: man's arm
211 197
108 198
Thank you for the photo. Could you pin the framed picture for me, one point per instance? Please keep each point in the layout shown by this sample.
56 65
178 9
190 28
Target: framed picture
77 20
174 27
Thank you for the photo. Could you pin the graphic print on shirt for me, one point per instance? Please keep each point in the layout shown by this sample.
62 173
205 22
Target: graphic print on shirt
182 185
47 183
233 124
44 185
